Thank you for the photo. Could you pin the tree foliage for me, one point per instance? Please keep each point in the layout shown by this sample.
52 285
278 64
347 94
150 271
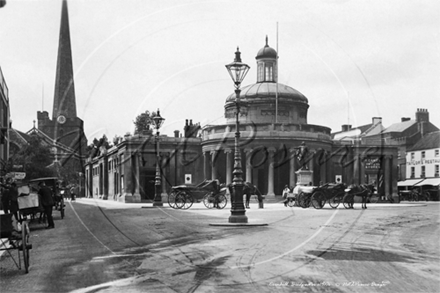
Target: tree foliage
34 159
143 122
93 149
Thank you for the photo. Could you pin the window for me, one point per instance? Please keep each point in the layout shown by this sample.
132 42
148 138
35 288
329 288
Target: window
436 153
436 174
423 172
413 172
260 72
412 156
423 155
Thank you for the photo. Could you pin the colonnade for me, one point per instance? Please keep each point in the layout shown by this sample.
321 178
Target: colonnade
324 164
212 161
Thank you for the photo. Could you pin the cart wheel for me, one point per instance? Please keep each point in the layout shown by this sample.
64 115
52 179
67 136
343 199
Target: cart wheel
25 246
334 201
222 201
208 200
172 199
176 200
291 202
303 201
346 200
189 200
317 200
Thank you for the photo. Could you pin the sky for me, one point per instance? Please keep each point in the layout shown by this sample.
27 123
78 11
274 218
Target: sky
353 59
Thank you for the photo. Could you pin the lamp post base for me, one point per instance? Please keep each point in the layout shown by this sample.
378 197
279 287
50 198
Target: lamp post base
240 218
157 202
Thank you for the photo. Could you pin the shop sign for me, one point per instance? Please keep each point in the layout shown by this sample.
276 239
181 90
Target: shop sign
372 163
423 162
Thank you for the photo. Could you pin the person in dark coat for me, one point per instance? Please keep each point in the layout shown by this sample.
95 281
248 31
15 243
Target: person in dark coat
13 199
47 202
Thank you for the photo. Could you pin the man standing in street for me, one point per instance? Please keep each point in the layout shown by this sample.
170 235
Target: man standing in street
47 202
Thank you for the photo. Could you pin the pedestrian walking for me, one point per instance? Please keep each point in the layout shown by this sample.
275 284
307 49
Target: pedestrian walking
47 202
72 193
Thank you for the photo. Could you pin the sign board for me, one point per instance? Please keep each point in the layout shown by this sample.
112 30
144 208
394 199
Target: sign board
188 178
16 175
338 178
372 164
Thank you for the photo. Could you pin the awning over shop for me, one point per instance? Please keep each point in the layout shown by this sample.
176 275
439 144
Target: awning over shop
429 181
409 182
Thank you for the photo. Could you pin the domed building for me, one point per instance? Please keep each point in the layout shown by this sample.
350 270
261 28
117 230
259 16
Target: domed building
273 125
273 128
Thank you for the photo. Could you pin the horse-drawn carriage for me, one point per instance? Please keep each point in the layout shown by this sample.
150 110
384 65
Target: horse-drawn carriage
332 193
413 195
54 184
15 237
208 191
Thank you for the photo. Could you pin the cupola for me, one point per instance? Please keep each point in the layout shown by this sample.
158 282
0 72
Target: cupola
267 64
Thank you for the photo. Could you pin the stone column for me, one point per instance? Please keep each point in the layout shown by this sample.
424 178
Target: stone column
136 180
311 166
292 168
248 153
229 165
394 175
362 170
214 174
387 176
356 171
271 179
321 162
206 168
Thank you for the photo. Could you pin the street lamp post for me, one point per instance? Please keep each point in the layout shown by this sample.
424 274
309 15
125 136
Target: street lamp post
237 70
158 121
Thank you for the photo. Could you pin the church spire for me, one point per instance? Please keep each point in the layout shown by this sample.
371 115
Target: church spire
64 99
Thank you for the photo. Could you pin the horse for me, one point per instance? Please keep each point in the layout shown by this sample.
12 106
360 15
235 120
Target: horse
250 189
363 190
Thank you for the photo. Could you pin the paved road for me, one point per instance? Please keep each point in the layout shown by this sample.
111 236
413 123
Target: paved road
109 247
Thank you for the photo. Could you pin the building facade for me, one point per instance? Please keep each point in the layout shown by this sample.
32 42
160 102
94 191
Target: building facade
273 127
4 124
423 160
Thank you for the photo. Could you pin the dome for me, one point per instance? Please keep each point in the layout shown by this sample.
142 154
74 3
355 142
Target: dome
267 52
265 91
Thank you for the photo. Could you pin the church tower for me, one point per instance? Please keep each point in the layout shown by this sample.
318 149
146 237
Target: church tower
65 129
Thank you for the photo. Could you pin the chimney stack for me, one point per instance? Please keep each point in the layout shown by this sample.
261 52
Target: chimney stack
346 127
377 120
422 115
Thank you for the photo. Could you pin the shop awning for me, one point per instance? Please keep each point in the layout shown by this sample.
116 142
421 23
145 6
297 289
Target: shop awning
409 182
429 181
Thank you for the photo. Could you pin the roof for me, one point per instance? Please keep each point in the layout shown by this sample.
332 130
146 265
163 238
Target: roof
19 138
269 90
429 181
361 129
428 141
399 127
266 52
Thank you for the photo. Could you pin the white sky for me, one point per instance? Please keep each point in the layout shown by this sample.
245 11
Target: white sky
353 60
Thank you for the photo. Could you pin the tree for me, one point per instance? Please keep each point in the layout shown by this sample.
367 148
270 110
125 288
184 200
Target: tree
143 122
93 149
35 157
